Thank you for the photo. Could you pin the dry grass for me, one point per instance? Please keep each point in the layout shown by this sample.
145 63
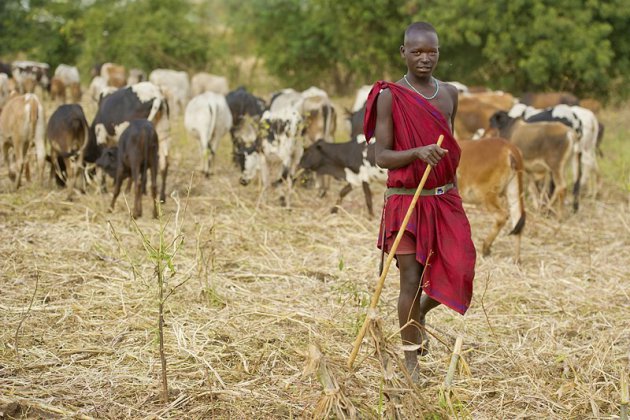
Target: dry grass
549 339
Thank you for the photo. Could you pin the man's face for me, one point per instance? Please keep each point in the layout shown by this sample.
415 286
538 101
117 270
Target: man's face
421 52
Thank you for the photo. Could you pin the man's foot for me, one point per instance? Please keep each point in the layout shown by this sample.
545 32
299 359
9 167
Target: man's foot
413 369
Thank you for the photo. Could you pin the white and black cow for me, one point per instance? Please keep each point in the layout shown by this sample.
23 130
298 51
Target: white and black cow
29 74
142 100
280 138
208 119
353 162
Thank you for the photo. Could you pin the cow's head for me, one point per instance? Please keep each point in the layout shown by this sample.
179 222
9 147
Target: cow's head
250 159
500 120
109 161
244 135
313 156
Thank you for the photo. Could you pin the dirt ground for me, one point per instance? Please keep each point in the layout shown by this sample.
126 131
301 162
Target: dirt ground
255 284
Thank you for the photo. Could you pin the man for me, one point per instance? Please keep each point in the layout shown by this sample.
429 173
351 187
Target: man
407 118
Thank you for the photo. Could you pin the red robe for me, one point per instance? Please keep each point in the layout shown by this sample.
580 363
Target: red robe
439 223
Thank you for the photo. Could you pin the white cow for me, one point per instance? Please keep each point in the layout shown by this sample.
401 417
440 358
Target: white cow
281 140
206 82
361 97
588 145
208 119
175 85
67 74
5 90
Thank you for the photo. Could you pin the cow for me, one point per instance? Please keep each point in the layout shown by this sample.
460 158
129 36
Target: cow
140 101
208 119
285 99
472 115
490 174
320 117
67 135
114 75
206 82
499 99
241 103
591 104
549 99
137 152
6 69
22 122
361 98
352 162
29 74
356 125
280 138
69 75
546 148
585 124
5 90
174 85
57 90
136 76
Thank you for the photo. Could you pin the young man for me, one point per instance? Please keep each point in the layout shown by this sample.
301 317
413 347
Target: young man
407 118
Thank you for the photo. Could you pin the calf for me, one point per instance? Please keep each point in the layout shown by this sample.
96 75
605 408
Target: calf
280 138
67 135
140 101
546 149
136 76
352 162
490 174
208 119
57 90
136 152
22 122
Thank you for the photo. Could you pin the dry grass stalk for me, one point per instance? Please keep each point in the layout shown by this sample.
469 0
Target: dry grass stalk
333 403
625 398
551 343
450 374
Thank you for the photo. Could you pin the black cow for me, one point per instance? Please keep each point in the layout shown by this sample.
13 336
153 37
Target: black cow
136 152
241 103
140 101
353 162
67 134
6 69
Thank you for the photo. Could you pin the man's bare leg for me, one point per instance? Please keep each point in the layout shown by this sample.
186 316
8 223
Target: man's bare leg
409 307
426 304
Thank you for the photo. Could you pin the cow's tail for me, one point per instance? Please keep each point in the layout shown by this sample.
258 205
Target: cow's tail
577 167
515 193
211 142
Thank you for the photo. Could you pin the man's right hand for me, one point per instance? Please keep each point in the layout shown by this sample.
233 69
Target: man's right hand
430 154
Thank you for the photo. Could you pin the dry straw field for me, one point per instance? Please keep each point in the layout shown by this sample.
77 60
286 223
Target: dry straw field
257 288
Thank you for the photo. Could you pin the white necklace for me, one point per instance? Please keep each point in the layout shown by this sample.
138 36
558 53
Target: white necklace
437 88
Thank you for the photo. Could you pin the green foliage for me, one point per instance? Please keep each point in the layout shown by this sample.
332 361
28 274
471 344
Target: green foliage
516 45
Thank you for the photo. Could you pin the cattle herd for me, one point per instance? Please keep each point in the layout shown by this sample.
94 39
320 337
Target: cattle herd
506 142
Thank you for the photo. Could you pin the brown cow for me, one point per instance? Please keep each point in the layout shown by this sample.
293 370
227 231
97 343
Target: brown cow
57 90
67 135
22 122
472 114
490 174
114 75
546 149
502 100
549 99
136 152
591 104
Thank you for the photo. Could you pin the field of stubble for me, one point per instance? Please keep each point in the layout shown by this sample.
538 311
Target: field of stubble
257 284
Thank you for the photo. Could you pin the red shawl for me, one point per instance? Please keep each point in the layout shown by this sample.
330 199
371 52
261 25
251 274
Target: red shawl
439 222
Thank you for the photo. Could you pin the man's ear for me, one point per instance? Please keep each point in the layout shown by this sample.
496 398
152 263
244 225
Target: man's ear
402 51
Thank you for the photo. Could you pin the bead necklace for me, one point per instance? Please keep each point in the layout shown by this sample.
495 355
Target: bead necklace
437 88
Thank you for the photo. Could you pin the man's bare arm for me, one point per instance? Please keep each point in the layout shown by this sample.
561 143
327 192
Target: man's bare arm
388 158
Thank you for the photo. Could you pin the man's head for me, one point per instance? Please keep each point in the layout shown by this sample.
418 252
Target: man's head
420 48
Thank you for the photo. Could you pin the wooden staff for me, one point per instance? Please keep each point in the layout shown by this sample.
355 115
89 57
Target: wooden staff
390 257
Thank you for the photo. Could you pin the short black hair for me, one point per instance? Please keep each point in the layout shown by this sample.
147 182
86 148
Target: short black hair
419 27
